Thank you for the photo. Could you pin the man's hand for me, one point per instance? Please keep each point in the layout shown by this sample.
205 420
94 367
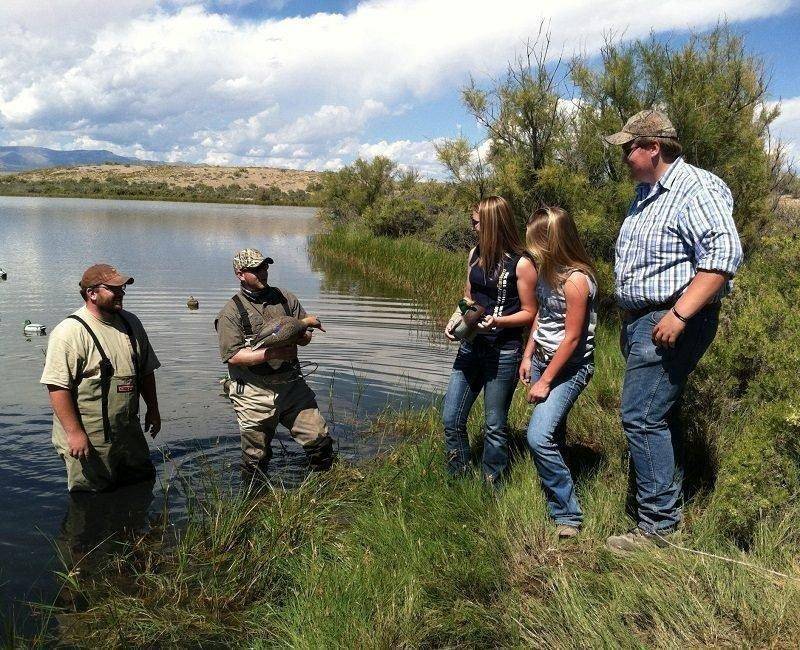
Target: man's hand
152 422
79 445
305 338
539 391
286 353
668 330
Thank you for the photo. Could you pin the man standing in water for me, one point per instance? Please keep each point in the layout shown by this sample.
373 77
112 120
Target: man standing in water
676 253
99 362
267 387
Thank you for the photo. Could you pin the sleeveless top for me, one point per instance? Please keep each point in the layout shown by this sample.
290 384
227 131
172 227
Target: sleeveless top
496 291
552 316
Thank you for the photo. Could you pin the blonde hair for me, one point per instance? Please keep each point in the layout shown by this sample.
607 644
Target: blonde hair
498 234
553 242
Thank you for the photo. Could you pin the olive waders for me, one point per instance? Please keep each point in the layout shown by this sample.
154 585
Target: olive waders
108 409
266 400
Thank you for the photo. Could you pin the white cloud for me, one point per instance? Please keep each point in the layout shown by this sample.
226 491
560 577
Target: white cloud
176 80
787 127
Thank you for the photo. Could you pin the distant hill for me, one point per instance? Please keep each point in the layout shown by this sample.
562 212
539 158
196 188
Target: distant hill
159 182
17 159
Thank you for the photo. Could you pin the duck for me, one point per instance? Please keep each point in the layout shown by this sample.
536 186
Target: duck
193 303
3 274
33 328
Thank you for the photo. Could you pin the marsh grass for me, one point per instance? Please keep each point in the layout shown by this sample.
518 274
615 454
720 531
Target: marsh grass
430 275
394 553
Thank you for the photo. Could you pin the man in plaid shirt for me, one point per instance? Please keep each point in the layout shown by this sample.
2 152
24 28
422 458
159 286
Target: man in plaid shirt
676 253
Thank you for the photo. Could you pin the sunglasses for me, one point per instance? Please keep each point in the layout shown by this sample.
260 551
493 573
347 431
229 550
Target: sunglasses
627 150
115 290
476 222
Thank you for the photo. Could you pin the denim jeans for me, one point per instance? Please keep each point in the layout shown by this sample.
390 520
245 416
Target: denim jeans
547 438
480 366
654 381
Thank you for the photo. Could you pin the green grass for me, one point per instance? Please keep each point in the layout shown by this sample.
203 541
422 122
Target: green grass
395 554
434 277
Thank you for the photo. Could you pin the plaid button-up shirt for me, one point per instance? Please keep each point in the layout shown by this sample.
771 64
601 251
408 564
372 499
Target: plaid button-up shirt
674 228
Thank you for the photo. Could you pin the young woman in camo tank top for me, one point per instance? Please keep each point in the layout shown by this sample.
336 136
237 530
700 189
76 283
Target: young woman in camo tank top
500 278
559 358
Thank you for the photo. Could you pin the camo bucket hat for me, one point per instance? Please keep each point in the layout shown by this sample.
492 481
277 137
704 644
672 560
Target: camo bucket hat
249 258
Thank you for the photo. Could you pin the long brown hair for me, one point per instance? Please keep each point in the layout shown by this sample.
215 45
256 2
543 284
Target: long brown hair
498 232
554 243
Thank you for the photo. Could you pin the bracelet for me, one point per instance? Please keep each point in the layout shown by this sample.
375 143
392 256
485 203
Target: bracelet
683 319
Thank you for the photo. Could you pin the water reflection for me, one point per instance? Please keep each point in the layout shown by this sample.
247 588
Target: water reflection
93 521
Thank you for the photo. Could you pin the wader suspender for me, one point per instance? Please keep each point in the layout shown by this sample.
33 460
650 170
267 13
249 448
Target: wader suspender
135 356
247 326
107 371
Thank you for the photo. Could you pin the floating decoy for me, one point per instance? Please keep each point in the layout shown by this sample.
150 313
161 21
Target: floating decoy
33 328
3 274
193 303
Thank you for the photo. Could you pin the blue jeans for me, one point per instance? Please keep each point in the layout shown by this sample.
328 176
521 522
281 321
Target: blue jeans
480 366
547 438
654 381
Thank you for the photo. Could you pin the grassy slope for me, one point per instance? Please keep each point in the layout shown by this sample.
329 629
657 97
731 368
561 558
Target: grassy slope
394 554
201 183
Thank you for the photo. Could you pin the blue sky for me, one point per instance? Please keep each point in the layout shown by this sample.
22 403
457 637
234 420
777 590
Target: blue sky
311 83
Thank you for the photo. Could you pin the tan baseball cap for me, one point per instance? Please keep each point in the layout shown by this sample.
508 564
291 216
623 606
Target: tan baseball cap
649 123
103 274
249 258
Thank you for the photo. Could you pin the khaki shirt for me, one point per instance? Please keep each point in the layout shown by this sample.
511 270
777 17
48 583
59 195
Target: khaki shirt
232 338
72 355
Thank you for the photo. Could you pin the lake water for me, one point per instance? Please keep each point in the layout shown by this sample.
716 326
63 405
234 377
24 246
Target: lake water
374 354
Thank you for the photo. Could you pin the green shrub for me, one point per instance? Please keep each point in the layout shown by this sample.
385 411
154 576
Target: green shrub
344 195
452 232
746 393
397 216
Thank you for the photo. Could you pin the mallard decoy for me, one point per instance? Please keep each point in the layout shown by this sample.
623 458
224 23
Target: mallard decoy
33 328
3 274
193 303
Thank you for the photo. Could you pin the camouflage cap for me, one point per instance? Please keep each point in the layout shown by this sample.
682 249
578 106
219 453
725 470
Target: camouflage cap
103 274
649 123
249 258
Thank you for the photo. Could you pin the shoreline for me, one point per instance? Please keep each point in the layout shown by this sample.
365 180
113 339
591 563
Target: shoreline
142 197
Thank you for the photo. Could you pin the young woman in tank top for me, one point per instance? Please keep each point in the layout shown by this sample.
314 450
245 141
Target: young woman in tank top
502 280
558 361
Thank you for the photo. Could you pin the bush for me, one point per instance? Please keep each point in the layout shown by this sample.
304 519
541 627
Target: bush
397 216
452 232
746 393
346 194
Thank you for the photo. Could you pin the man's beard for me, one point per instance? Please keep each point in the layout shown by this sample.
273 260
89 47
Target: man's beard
111 305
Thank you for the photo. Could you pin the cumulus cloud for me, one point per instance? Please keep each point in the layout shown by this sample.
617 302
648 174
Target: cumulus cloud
787 127
180 79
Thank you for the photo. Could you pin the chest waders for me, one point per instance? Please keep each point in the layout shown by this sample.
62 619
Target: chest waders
247 330
107 379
